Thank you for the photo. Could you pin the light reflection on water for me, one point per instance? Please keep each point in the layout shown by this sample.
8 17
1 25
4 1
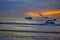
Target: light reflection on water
32 28
28 35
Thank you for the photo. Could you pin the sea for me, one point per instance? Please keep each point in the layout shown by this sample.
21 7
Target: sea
18 32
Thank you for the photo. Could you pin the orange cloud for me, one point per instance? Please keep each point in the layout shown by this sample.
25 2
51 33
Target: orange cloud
49 13
52 13
32 14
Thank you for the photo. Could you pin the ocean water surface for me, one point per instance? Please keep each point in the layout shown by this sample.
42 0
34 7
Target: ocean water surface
18 32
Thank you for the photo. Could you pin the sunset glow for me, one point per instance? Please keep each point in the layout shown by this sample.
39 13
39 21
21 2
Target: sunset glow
45 13
32 14
52 12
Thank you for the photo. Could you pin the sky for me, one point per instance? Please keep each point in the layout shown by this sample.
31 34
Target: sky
22 8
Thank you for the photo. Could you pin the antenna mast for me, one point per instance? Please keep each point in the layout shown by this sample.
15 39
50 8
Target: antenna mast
42 15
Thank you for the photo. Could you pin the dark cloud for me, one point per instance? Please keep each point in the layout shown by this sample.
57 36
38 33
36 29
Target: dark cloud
28 4
18 7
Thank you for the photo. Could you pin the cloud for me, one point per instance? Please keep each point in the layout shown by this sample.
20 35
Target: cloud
22 6
29 4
